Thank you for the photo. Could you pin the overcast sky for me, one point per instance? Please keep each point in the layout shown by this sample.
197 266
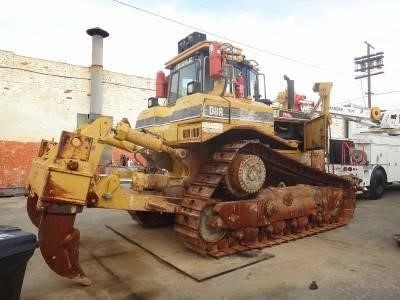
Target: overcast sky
322 36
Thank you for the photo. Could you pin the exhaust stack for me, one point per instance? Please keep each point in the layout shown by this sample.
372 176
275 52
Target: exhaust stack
290 91
96 72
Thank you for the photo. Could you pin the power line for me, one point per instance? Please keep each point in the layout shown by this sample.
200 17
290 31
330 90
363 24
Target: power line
231 40
385 93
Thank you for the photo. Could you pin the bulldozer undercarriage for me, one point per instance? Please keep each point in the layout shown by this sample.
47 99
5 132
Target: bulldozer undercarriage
315 202
245 196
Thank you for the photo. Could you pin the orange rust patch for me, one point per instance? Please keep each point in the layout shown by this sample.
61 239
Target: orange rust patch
53 190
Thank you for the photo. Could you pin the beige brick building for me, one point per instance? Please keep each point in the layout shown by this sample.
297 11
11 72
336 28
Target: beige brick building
40 98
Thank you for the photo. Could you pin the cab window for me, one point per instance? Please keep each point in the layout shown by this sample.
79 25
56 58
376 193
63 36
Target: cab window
179 80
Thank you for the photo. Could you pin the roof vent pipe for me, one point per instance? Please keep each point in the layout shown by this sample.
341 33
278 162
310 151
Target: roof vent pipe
96 72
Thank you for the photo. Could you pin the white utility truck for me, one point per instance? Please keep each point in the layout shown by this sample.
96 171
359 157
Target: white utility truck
372 157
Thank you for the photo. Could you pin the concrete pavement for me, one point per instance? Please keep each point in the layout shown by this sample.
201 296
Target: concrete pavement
358 261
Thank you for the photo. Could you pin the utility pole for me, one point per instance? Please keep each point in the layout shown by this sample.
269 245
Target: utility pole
365 64
369 46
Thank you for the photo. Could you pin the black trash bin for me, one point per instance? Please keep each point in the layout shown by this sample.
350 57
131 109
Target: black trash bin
16 248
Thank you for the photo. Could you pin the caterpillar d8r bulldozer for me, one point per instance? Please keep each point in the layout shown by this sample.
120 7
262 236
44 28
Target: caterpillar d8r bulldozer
227 169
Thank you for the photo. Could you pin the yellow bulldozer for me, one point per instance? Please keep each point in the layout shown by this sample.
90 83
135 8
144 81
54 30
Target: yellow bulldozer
230 171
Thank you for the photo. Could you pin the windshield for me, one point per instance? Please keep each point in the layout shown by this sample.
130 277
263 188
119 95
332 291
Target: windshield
180 79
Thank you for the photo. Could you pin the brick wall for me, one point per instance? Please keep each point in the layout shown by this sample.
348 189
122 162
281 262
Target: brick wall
15 160
40 98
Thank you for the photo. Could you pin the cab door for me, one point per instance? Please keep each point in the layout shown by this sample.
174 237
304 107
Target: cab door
315 134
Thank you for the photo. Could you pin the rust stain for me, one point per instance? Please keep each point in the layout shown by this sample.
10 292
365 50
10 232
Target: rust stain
53 190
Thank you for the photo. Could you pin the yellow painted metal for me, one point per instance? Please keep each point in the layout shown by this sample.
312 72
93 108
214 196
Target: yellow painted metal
124 145
219 87
65 186
316 130
187 53
232 52
172 132
156 182
123 132
282 99
315 134
324 91
67 172
376 113
63 174
112 195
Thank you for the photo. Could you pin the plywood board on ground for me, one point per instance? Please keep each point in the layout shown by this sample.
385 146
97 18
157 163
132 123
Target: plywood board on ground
166 246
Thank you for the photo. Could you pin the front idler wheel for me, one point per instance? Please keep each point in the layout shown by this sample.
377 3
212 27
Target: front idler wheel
210 229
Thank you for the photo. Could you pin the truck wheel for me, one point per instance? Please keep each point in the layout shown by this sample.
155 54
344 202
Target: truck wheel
377 184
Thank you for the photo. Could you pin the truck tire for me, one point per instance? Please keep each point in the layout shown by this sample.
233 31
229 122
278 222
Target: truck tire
377 184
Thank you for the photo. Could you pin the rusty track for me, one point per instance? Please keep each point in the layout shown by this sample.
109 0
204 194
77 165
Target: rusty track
199 196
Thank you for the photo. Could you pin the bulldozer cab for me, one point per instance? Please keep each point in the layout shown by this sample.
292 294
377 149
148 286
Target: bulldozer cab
201 63
219 71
